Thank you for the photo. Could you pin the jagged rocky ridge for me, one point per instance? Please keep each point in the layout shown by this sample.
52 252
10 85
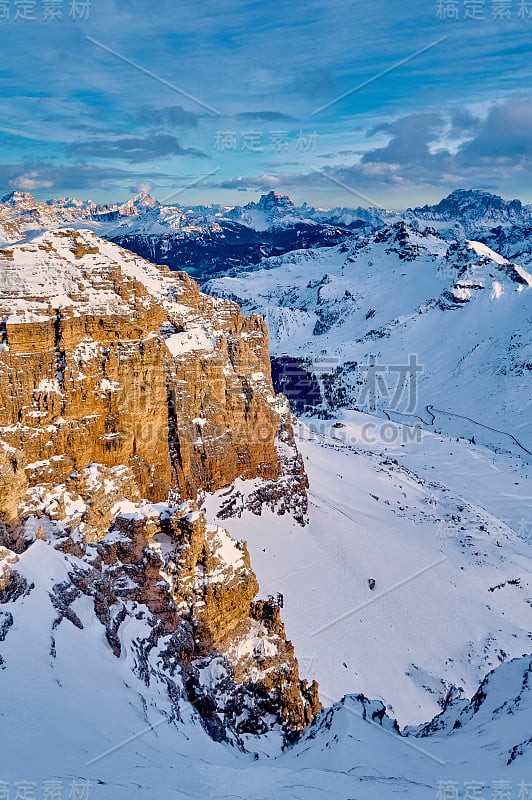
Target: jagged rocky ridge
121 385
203 240
213 240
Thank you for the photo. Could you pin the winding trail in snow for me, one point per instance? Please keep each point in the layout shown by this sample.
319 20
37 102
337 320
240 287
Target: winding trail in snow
480 424
430 409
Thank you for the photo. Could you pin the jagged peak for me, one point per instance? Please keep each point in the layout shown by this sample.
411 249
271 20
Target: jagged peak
473 201
69 202
142 199
18 197
145 198
273 200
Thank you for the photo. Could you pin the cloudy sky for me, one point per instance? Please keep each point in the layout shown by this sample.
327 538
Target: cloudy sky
329 101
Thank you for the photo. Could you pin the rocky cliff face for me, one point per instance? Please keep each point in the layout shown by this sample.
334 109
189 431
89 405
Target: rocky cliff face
106 359
120 383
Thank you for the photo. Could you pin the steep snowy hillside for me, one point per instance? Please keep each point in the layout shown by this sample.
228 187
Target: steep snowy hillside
82 723
399 321
504 225
440 525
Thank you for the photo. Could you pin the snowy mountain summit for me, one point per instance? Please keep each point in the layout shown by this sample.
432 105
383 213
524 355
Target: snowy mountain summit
470 206
17 199
272 209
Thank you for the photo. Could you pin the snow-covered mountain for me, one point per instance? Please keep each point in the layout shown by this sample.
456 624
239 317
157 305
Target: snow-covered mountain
472 207
21 215
272 209
505 226
207 241
461 311
216 239
202 240
134 651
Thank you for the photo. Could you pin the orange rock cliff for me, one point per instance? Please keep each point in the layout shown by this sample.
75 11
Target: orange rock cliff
121 381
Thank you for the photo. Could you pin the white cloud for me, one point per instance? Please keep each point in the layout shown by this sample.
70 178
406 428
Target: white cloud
30 182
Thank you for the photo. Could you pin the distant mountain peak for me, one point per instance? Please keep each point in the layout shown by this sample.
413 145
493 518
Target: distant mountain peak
473 203
144 199
69 202
273 200
270 210
140 202
17 197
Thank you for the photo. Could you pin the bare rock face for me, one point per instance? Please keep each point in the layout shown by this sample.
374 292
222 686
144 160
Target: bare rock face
284 495
82 507
197 587
82 367
121 381
7 560
107 359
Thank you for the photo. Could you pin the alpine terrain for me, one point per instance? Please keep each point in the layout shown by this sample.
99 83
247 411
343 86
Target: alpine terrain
265 500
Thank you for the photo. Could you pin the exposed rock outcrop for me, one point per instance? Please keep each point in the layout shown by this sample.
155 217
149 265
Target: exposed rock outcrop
121 383
7 560
194 587
107 359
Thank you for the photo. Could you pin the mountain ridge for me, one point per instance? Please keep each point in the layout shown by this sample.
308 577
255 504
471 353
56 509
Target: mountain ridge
211 240
124 393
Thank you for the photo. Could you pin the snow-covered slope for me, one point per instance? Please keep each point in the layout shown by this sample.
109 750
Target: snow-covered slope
90 725
390 507
461 311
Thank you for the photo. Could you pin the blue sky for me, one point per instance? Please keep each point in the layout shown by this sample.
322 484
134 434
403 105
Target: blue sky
232 100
